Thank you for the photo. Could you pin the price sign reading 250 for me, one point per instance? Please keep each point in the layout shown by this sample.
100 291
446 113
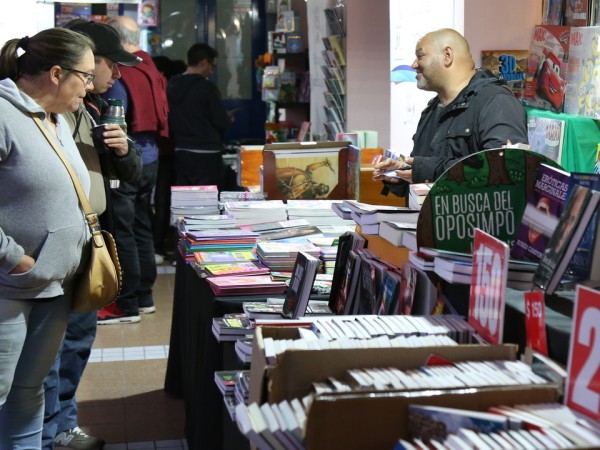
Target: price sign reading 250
583 376
488 286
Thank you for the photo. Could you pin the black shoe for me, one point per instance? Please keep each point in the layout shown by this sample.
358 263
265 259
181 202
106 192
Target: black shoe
77 439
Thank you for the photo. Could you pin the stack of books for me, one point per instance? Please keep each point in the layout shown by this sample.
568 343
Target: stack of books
194 201
244 285
370 216
248 213
316 212
457 267
232 327
417 193
219 240
240 196
243 349
281 256
204 222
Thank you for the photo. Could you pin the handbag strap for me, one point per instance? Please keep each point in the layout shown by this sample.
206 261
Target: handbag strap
90 216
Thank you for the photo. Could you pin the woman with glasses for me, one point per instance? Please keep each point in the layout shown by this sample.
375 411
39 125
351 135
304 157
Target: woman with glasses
44 239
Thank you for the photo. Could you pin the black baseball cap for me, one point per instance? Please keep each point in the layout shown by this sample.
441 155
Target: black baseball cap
107 42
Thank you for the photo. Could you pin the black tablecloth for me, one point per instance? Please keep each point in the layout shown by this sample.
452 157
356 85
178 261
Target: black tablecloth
195 355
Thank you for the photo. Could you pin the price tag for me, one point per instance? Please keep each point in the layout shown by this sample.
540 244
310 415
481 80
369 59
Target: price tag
583 378
488 286
535 322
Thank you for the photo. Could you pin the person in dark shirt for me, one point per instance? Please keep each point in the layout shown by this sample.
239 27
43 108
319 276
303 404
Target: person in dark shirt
198 120
472 111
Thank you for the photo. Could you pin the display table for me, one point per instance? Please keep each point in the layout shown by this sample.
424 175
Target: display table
195 355
581 139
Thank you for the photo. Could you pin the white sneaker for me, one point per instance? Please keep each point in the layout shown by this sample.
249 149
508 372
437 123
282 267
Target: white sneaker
158 259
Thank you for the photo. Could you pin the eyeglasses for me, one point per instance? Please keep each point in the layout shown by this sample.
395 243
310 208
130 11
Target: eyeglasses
88 77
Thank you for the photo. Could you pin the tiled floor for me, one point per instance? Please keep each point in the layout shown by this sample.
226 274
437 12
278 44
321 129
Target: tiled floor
121 397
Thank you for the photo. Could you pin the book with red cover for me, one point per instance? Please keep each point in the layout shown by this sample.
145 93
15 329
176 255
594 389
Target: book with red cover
240 285
547 65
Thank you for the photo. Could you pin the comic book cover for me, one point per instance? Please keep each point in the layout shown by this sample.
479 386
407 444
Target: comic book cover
510 65
582 97
546 79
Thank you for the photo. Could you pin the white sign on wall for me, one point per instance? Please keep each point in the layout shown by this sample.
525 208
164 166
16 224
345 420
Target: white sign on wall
409 21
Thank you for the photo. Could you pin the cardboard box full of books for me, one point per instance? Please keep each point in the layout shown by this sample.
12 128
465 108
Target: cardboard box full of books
295 370
377 420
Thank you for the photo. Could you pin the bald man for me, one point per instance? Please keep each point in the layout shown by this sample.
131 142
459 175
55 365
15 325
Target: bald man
473 110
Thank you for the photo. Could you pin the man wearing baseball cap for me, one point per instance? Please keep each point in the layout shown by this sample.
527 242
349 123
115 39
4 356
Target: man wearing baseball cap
108 161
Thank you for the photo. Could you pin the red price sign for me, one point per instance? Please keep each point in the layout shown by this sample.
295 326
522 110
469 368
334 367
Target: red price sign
583 378
488 286
535 322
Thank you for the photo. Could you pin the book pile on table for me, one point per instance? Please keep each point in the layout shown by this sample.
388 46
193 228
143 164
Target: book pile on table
240 196
316 212
273 426
370 216
227 381
285 230
194 200
457 267
248 213
243 349
232 327
417 193
281 256
545 425
204 222
216 240
244 285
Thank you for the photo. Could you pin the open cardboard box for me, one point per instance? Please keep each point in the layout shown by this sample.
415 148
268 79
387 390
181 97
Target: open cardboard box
370 420
296 370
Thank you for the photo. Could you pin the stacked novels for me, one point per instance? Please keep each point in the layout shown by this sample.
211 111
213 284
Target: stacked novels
417 193
316 212
273 426
281 256
547 426
216 240
239 269
229 383
457 267
232 327
370 216
243 349
248 213
286 230
240 196
393 231
244 285
193 201
202 258
204 222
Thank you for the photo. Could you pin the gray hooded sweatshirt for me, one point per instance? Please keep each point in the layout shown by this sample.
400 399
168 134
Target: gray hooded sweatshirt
40 215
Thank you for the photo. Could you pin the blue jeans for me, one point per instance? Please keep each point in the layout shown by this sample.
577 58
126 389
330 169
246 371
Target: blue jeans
30 336
135 240
63 379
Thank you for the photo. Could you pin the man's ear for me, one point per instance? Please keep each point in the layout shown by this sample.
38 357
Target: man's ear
448 55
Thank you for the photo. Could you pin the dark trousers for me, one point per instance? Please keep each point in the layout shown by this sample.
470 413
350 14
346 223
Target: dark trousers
60 385
131 204
198 169
162 202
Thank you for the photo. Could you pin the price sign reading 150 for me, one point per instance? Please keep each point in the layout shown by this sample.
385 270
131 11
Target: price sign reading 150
488 286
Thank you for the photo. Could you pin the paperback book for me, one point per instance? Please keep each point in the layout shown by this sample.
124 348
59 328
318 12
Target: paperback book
572 224
509 65
298 293
546 80
546 136
544 206
583 78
